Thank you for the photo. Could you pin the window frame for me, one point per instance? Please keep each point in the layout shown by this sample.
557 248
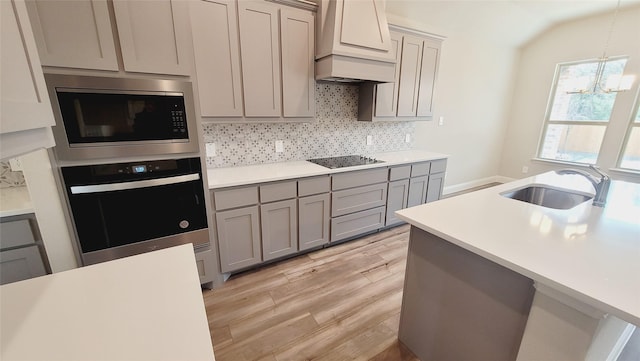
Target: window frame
635 111
550 102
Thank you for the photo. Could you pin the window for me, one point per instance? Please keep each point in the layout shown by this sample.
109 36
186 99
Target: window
576 121
630 157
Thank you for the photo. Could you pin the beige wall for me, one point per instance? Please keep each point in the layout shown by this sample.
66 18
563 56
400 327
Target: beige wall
572 41
474 84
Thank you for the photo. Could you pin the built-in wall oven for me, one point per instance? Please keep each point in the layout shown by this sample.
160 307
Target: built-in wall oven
120 209
129 162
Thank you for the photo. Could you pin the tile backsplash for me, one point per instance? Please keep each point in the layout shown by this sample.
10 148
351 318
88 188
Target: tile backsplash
335 131
9 178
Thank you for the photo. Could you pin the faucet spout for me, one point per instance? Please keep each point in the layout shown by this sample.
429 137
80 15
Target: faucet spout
601 185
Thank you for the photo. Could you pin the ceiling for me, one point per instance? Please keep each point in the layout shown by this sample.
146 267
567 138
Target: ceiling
511 22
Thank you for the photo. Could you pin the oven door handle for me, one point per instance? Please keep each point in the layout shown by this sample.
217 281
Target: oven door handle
98 188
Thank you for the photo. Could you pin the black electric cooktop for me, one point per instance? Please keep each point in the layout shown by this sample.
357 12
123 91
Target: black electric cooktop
344 161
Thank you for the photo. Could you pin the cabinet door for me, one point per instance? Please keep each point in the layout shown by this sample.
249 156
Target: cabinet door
409 76
298 66
397 197
154 36
217 57
279 229
260 49
387 93
25 102
20 264
74 34
417 190
436 183
238 238
313 221
428 75
204 263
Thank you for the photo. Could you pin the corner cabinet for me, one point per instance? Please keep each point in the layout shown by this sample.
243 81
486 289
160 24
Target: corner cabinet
254 61
25 111
411 96
153 36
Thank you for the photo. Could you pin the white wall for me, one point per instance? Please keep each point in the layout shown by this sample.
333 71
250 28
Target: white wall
473 89
572 41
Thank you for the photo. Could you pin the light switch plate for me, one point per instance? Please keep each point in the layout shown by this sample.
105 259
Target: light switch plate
441 120
15 164
211 149
279 146
369 139
407 138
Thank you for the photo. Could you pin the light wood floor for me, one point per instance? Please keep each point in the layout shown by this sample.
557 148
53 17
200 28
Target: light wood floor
338 303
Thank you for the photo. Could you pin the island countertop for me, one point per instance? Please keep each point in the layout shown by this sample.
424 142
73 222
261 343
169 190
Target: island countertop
144 307
260 173
589 253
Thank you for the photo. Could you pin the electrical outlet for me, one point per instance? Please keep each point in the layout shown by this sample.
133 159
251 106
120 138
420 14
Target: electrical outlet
211 149
407 138
15 164
279 146
441 120
525 169
369 139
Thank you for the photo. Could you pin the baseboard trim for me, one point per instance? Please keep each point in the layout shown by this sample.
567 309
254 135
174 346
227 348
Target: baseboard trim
475 183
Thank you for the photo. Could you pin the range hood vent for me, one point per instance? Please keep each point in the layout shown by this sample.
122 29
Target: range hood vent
353 42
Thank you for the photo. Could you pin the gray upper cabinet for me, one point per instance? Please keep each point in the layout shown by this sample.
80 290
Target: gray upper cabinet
254 61
260 49
153 36
74 34
25 109
297 42
217 57
416 75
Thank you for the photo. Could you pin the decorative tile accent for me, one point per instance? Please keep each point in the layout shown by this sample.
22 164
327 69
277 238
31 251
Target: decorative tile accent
336 131
9 178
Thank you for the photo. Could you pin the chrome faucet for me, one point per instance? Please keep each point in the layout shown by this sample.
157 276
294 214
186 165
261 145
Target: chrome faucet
600 185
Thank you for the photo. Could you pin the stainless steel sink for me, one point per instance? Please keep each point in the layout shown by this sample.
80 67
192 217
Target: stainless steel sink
547 197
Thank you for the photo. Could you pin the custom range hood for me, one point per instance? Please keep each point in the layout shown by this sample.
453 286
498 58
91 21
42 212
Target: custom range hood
353 42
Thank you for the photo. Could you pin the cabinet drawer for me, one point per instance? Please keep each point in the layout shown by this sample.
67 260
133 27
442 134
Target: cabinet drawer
358 178
16 233
277 191
357 223
420 169
397 173
438 166
204 263
316 185
235 197
358 199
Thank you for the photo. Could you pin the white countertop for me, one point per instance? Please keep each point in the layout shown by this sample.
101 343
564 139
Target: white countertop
15 201
260 173
589 253
144 307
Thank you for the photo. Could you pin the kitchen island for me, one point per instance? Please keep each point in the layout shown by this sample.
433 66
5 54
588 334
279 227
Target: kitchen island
143 307
561 283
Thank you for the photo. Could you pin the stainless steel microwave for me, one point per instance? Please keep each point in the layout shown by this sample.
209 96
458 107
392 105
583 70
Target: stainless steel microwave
105 117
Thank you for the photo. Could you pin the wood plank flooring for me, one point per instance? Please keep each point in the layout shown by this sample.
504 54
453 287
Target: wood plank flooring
338 303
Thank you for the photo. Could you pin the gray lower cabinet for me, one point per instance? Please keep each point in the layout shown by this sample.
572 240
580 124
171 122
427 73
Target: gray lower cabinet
204 263
417 190
22 254
313 221
358 199
355 224
397 197
20 264
239 238
279 229
436 183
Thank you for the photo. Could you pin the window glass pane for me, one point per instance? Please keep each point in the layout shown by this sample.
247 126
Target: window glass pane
631 155
584 107
572 143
